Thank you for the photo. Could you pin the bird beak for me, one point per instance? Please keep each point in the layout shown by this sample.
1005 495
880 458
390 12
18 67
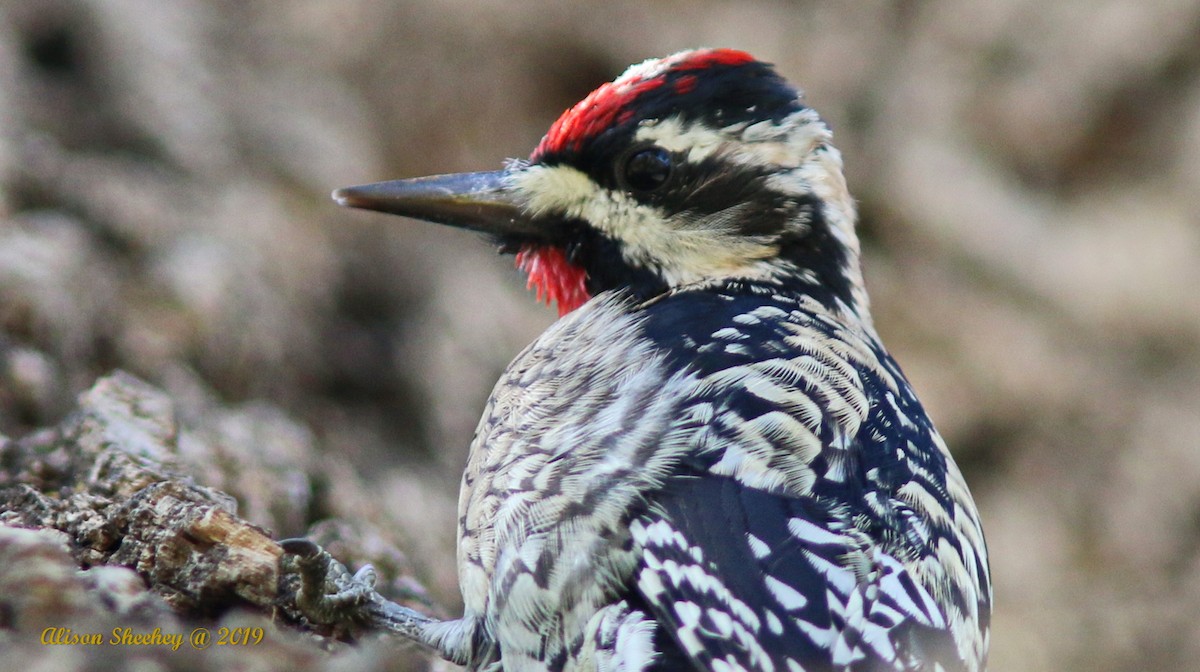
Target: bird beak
484 202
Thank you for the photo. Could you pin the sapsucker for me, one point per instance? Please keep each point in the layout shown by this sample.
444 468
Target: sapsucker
710 461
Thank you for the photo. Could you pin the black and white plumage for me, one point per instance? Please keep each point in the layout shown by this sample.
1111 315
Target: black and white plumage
710 462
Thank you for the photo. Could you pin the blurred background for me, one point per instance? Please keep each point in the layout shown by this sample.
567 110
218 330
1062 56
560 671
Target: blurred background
1028 175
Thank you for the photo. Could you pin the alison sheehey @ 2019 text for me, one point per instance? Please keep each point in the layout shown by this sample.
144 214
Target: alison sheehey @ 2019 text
199 638
118 637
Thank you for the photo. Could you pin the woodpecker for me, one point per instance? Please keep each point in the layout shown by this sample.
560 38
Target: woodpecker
709 461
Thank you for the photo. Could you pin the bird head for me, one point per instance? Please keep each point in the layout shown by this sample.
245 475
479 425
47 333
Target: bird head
697 169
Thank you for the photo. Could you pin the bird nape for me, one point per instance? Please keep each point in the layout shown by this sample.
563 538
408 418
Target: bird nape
710 461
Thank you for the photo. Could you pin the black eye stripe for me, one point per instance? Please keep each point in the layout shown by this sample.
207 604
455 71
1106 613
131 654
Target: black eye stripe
645 170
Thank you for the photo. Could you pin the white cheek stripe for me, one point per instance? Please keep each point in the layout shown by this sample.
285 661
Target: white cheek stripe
686 251
682 252
549 190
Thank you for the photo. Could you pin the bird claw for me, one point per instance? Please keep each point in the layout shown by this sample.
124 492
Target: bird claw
328 592
330 595
301 547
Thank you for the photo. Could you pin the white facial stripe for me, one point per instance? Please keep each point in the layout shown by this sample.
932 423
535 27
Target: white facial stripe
555 190
683 250
565 191
696 141
787 143
688 249
688 252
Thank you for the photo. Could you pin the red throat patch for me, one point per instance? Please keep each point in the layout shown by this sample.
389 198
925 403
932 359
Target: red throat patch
555 278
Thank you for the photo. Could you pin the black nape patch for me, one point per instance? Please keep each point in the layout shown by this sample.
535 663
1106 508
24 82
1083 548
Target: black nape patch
815 249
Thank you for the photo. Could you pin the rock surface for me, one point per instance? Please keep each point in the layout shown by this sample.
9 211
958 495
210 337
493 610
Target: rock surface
103 528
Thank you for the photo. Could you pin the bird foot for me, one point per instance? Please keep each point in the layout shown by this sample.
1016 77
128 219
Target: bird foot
330 595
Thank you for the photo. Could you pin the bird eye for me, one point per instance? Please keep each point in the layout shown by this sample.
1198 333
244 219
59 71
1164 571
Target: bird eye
647 169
